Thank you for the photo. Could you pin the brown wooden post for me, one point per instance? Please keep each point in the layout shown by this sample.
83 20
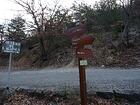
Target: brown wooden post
79 40
83 88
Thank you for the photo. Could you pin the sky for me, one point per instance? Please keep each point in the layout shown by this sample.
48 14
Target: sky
9 10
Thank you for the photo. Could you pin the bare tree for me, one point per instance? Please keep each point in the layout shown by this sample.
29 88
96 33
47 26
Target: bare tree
30 8
127 6
46 20
137 12
1 32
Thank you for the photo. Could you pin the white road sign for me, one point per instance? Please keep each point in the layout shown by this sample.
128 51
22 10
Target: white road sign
11 47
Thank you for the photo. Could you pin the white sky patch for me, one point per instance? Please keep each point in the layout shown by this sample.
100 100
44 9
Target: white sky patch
9 10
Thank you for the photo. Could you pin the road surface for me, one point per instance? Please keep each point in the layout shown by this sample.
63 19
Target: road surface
121 80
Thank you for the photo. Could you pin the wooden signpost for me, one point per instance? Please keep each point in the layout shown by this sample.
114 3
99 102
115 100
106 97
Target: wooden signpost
79 41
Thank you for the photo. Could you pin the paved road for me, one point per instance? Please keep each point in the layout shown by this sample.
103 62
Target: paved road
121 80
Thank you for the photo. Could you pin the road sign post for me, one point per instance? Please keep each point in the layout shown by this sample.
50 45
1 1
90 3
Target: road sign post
10 47
9 71
83 53
79 41
83 86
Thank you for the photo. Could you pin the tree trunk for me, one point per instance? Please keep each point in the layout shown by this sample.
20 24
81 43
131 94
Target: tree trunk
43 52
126 34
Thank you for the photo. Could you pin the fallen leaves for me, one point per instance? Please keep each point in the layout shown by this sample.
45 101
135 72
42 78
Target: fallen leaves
53 98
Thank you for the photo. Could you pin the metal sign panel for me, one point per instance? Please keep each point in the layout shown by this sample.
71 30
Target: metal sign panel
82 41
84 53
11 47
85 40
76 32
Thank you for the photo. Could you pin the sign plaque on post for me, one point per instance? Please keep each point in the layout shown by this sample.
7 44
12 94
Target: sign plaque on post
84 53
83 63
